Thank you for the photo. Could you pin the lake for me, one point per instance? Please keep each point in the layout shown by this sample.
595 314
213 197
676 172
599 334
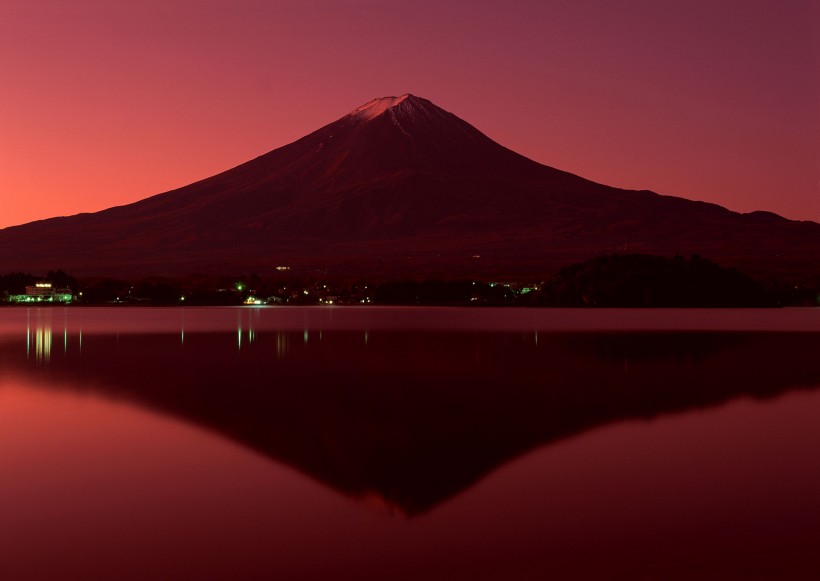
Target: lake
409 443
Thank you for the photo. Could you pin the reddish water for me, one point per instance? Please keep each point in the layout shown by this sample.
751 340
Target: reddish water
424 444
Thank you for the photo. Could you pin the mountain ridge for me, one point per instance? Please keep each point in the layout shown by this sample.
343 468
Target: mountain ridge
400 186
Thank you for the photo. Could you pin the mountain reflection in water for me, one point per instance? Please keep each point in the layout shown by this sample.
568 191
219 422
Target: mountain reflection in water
413 417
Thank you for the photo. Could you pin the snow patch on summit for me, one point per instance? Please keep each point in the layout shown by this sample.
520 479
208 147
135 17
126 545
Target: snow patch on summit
376 107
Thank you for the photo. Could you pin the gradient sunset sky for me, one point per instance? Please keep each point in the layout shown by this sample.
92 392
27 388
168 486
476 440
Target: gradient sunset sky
106 102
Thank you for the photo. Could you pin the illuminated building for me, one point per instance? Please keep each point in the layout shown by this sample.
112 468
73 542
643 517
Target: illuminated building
43 292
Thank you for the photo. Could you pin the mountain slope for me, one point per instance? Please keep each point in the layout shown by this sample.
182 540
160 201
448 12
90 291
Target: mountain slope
399 187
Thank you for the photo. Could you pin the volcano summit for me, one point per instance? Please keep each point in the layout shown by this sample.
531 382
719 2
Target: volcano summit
401 188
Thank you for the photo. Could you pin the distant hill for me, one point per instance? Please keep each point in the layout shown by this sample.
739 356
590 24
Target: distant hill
401 188
639 280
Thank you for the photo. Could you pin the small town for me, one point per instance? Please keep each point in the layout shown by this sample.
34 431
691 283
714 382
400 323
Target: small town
606 281
252 291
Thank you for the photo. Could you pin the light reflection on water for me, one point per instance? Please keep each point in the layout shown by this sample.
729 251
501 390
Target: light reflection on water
512 453
39 337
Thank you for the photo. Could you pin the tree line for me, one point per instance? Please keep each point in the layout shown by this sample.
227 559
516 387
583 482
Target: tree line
618 280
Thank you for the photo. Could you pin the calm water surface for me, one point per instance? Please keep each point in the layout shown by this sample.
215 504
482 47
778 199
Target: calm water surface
358 443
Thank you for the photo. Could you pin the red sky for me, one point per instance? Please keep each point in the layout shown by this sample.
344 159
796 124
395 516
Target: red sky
106 102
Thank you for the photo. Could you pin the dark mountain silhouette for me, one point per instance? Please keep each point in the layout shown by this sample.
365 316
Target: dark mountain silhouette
400 187
412 417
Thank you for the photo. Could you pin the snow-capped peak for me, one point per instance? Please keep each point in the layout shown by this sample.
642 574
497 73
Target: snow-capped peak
376 107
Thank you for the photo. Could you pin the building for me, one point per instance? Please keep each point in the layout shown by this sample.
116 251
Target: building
43 292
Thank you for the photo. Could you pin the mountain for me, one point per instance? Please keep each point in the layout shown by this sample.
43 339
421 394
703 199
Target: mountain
401 188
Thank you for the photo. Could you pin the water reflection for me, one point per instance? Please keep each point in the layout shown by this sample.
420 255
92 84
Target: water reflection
246 322
44 329
39 336
413 418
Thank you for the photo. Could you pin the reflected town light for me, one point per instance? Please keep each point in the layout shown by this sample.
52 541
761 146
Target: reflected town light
40 339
